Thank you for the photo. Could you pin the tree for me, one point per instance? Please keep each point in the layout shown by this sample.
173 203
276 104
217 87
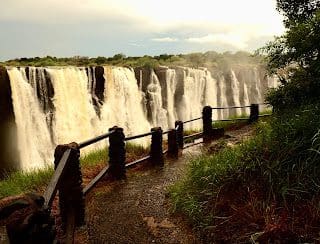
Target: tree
297 11
295 56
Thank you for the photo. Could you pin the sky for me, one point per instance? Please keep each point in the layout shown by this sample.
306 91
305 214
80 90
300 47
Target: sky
65 28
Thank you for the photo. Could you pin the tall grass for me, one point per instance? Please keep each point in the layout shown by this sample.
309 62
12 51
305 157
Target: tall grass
281 163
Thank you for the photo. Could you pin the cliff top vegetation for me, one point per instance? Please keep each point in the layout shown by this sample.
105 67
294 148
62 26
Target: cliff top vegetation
208 59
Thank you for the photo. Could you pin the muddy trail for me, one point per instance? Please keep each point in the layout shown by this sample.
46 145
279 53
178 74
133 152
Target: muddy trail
138 210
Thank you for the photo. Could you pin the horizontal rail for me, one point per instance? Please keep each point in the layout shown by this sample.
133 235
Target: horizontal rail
192 120
129 165
233 107
94 140
192 144
165 132
95 180
264 115
55 180
226 120
137 136
193 135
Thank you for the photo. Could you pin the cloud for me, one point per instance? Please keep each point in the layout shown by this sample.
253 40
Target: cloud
165 39
236 40
106 27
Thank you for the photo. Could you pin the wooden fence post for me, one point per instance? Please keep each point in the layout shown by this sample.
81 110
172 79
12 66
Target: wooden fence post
207 123
254 113
117 153
179 128
71 199
173 147
156 155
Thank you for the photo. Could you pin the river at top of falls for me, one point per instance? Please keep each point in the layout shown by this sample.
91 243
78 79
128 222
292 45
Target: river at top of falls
59 105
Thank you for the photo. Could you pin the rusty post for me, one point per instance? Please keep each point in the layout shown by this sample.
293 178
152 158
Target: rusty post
117 153
179 128
254 113
71 199
173 147
207 124
156 155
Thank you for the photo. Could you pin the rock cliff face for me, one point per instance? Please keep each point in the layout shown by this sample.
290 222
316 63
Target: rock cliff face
8 140
57 105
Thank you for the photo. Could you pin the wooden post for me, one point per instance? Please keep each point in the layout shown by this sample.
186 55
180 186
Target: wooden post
117 153
254 113
179 128
207 123
156 155
173 147
71 199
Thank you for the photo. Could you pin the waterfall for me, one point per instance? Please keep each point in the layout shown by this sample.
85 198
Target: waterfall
236 93
171 83
123 102
159 114
59 105
34 141
193 96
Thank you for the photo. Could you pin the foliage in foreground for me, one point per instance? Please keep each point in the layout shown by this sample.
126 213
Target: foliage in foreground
268 184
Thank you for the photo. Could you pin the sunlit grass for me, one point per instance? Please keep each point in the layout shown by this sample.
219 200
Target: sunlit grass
36 181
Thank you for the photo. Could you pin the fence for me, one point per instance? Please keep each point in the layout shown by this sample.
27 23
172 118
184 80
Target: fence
67 178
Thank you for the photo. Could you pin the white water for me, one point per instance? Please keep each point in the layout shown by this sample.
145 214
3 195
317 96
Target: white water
159 115
123 102
34 144
185 91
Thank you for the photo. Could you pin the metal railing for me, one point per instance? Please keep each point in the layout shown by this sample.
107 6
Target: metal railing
68 164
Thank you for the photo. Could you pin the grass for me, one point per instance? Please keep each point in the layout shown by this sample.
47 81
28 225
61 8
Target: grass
21 182
268 185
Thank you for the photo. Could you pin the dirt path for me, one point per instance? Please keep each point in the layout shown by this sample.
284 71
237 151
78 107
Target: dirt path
137 210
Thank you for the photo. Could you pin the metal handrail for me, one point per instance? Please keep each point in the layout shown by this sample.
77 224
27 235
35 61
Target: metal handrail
94 140
192 135
191 120
233 107
138 136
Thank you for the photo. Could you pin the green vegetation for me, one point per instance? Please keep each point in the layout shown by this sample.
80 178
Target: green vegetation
208 59
267 189
36 181
276 170
19 182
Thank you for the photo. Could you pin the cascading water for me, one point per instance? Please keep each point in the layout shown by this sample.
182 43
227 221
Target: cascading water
236 93
171 83
34 141
63 104
159 115
123 102
75 118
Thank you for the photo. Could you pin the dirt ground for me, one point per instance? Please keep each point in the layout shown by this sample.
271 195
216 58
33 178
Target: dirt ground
138 210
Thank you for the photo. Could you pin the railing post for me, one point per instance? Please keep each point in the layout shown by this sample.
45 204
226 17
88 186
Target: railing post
254 113
156 155
117 153
173 147
207 123
71 199
179 128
